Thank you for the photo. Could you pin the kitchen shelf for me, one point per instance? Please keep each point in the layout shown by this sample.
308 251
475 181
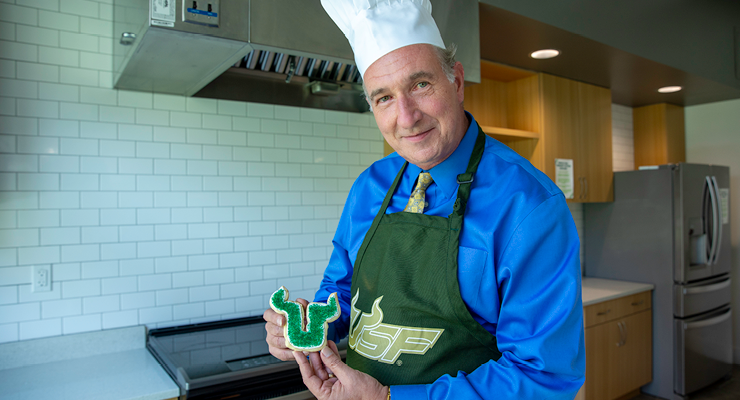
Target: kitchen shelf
508 134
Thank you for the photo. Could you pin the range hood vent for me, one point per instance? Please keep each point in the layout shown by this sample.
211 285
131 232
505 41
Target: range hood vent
290 80
285 52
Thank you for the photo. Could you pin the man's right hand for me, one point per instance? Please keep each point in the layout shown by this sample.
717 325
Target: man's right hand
274 324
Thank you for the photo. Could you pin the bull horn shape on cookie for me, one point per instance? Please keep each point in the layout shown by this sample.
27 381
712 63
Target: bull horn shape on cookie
313 336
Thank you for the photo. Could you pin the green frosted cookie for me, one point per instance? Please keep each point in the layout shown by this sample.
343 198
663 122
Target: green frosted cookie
312 335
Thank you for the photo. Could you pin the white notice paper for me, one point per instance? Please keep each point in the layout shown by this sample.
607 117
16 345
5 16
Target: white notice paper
724 201
163 10
564 176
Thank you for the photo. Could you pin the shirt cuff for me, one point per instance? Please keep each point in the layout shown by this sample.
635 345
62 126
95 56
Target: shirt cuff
408 392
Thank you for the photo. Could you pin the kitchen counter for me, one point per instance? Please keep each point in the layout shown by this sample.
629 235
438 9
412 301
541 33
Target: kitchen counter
112 365
115 364
597 290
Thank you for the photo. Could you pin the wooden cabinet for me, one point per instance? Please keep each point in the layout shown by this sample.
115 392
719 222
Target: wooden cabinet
618 347
595 137
659 132
543 118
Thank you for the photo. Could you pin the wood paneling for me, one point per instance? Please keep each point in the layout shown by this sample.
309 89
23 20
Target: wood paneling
560 122
659 133
543 117
487 102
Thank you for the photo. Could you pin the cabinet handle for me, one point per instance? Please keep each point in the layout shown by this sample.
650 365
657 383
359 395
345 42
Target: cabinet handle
585 182
580 194
638 303
604 312
622 334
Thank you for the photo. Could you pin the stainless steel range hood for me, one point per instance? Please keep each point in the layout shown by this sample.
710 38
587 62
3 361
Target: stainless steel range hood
270 51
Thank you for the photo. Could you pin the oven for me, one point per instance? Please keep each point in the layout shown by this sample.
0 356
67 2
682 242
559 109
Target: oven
225 360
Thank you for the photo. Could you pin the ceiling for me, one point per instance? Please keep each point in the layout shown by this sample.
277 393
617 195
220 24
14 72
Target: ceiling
508 38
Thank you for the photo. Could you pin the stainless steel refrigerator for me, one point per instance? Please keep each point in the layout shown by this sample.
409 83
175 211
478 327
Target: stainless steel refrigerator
669 226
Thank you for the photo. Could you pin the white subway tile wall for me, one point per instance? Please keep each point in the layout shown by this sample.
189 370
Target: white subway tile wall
623 141
155 209
152 209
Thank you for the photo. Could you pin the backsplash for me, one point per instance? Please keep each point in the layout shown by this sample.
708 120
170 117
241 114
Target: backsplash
153 209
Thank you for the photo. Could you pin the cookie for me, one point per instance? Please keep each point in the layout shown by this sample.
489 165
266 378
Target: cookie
312 335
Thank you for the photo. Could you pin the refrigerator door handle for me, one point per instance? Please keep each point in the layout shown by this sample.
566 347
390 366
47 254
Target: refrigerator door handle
718 227
713 204
709 288
708 322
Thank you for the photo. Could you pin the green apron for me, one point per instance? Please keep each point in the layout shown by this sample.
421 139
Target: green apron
408 322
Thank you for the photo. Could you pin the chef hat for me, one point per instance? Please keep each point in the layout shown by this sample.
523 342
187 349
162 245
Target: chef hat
374 28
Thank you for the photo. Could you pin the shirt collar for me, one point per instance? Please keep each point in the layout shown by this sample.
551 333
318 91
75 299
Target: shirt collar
445 173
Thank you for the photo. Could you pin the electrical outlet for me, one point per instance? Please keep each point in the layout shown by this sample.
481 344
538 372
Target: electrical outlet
41 280
204 12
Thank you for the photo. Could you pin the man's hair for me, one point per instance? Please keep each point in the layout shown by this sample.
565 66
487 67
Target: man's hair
446 59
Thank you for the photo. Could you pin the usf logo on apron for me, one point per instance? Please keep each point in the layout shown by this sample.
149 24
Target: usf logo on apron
409 262
375 340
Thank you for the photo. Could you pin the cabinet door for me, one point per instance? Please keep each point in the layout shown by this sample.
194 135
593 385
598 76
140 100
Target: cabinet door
618 356
560 125
635 361
595 143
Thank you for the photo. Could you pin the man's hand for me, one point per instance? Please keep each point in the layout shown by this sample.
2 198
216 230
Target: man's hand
274 324
344 383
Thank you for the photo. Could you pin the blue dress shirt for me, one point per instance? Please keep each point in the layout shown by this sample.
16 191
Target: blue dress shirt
518 269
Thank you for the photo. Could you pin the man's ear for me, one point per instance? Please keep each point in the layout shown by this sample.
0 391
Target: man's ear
459 81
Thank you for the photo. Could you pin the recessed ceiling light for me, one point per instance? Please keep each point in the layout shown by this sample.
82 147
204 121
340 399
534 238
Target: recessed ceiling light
669 89
544 54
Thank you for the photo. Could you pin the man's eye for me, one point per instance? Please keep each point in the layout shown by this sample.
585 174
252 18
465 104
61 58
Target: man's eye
384 99
422 85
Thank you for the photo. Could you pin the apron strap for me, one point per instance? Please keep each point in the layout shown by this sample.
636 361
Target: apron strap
376 221
464 180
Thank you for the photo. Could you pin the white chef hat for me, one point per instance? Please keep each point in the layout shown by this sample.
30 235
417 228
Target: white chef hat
374 28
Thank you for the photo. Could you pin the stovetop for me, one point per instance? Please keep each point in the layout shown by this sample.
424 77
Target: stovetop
223 357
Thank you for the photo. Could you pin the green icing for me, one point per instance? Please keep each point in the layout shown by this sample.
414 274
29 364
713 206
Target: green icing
313 336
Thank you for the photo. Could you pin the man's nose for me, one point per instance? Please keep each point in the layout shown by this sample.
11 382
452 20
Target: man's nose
408 112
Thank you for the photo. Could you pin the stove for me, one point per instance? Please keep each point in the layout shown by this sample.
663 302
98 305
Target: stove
225 360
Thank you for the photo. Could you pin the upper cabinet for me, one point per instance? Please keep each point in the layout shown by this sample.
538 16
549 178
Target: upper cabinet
659 134
544 118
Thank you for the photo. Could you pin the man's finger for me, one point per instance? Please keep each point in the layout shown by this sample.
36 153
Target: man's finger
318 365
334 348
334 363
312 382
281 354
271 316
277 341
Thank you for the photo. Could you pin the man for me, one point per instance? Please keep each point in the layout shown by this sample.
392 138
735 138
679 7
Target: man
456 262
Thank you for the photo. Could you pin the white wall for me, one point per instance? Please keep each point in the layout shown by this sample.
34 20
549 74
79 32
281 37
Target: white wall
713 137
152 209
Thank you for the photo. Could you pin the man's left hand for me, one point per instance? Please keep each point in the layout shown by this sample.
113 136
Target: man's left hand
346 383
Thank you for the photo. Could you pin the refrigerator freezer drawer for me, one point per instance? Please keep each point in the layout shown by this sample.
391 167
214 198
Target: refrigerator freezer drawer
697 298
703 350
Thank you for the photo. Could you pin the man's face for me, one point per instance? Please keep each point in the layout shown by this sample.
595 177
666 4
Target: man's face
418 110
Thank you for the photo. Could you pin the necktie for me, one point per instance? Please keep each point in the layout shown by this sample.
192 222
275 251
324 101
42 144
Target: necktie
416 201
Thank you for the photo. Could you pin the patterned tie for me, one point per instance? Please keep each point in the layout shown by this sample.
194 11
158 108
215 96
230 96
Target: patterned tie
416 201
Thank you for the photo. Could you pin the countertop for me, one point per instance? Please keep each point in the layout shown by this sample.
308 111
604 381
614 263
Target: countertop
596 290
115 365
111 365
